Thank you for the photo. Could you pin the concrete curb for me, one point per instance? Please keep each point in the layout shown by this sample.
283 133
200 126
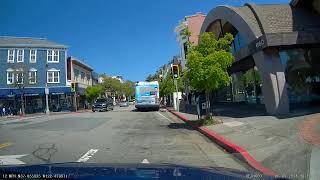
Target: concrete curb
236 150
42 115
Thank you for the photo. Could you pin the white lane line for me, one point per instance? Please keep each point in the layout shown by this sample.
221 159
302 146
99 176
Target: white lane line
88 155
11 159
145 161
165 117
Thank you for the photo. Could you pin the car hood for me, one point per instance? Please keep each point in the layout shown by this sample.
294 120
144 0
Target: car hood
126 171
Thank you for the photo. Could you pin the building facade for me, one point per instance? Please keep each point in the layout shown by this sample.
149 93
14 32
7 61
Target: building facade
277 53
28 65
82 74
193 24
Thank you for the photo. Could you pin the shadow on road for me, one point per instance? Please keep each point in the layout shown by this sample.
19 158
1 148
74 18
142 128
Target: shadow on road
143 110
180 126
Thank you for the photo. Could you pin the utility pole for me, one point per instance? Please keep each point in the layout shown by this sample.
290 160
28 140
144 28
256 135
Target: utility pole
75 100
177 98
46 90
176 75
74 90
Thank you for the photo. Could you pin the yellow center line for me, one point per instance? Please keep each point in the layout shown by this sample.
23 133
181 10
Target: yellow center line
3 145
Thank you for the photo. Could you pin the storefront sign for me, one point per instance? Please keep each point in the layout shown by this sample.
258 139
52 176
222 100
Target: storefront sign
260 43
31 94
312 79
257 45
58 93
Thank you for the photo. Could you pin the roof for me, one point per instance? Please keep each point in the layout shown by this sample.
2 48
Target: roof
276 18
25 42
80 63
264 19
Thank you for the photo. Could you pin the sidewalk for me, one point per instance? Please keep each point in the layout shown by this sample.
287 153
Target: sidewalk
275 143
39 115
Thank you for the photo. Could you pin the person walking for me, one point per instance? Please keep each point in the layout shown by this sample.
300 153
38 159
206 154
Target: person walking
4 111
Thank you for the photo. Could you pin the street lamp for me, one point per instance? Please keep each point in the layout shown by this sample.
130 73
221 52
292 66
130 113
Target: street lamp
46 90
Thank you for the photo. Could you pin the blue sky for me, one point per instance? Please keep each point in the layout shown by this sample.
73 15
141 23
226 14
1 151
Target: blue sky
117 37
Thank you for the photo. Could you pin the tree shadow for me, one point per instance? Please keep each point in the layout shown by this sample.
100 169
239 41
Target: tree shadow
243 110
180 126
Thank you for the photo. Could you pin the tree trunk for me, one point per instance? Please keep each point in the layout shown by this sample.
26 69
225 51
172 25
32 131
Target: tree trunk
208 114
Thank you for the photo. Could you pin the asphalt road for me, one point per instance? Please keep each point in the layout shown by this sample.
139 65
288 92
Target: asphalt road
120 136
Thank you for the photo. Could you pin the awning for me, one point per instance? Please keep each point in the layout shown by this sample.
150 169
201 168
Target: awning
12 92
60 90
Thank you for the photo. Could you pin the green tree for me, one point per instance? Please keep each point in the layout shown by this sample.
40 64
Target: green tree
152 77
129 89
167 87
112 86
93 92
207 64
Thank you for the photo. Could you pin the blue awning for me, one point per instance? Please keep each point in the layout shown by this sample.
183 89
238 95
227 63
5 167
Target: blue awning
59 90
34 91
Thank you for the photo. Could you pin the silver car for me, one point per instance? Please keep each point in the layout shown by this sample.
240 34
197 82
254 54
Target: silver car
124 104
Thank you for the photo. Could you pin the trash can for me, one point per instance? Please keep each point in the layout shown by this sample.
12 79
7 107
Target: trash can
201 105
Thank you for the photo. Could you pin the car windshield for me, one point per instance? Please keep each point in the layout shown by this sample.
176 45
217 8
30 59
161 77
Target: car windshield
101 100
199 83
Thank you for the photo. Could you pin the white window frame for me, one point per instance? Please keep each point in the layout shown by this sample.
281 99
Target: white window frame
16 74
53 55
82 78
10 71
22 60
32 70
13 54
53 71
35 56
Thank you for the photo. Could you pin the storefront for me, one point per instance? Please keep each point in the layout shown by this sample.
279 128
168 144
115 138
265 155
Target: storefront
277 57
60 99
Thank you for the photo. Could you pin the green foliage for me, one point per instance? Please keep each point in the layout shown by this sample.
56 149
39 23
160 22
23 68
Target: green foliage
152 77
93 92
167 86
251 76
208 121
208 63
111 85
128 89
116 88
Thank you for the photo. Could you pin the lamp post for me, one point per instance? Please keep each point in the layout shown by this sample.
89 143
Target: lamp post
46 90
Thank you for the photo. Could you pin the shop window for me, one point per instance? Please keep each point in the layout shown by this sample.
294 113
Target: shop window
302 73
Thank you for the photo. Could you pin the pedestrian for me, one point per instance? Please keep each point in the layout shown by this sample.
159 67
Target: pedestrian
4 111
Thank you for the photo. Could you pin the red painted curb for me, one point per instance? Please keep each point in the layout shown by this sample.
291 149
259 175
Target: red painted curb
240 152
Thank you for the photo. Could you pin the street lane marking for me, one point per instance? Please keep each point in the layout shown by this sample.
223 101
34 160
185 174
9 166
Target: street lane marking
145 161
3 145
88 155
11 159
165 117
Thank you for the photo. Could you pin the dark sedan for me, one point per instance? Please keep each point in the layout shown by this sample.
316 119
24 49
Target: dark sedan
102 105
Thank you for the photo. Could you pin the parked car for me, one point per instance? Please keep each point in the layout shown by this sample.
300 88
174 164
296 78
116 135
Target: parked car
124 104
131 102
102 105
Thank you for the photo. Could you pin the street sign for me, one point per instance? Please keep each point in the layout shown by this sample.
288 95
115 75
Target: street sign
46 90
